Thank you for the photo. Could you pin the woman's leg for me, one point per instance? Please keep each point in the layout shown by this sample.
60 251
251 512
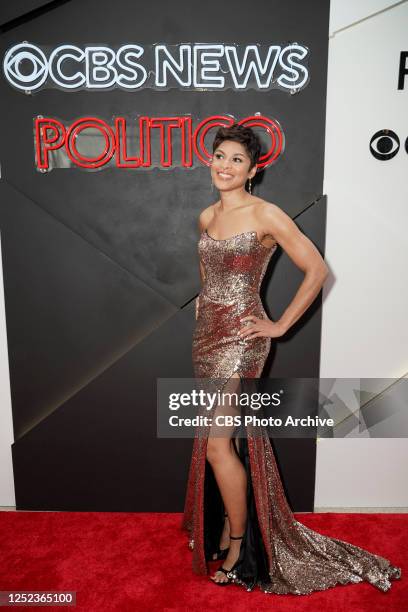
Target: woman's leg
230 476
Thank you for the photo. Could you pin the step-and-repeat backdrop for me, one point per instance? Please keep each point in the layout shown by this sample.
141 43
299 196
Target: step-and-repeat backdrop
109 114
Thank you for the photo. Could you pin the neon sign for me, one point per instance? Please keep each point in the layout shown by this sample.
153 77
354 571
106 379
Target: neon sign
131 67
90 143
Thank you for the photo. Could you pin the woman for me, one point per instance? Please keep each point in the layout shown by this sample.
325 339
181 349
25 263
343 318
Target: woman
235 509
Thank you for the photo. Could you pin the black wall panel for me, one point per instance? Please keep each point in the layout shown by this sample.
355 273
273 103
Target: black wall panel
18 12
100 267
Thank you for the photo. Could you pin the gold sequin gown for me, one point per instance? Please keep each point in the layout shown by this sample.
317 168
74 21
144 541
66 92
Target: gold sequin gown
278 554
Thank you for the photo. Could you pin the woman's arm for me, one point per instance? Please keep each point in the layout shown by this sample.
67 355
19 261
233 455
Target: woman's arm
305 255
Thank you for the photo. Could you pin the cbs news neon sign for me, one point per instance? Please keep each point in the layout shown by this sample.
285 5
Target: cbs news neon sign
192 66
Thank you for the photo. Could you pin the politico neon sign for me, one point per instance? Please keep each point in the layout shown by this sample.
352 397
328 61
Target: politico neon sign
131 67
90 143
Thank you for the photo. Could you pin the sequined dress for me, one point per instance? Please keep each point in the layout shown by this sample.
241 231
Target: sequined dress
278 553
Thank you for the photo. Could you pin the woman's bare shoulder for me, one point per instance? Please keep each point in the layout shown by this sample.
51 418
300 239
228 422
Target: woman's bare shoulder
273 218
265 206
206 215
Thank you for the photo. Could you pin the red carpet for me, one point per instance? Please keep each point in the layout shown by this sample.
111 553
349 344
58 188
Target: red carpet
140 561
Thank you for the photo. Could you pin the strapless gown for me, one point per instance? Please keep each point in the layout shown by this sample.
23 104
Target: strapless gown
278 553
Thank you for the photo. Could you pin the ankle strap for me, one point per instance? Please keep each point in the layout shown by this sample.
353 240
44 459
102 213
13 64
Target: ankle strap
236 537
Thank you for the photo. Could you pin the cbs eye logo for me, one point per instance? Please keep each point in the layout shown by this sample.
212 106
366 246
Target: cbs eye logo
33 73
385 144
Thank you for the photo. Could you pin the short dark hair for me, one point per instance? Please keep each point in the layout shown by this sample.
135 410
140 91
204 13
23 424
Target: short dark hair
244 135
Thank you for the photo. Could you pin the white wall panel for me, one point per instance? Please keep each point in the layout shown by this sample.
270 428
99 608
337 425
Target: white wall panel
6 428
345 13
365 331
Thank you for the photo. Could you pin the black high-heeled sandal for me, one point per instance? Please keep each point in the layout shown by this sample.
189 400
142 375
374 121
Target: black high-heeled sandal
221 553
230 574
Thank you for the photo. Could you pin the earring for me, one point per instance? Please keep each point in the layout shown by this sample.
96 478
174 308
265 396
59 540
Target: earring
212 185
250 186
